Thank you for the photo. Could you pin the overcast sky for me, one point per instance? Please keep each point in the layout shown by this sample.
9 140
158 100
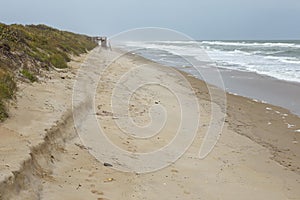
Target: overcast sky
200 19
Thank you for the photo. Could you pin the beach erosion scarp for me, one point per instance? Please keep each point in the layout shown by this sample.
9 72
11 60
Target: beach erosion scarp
42 156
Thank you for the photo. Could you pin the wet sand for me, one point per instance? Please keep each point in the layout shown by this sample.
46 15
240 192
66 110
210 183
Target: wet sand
42 157
264 88
255 86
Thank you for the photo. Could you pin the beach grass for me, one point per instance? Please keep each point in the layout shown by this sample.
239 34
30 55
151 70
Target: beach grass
25 50
7 90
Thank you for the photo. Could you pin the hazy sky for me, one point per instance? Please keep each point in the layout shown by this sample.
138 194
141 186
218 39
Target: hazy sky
200 19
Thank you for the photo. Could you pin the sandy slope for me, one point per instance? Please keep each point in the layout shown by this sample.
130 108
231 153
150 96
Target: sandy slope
256 157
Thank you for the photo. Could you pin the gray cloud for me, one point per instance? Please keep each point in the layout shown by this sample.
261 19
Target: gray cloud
209 19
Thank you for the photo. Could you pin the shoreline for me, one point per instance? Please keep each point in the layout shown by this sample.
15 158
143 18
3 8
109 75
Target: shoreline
289 129
253 158
253 85
259 117
264 88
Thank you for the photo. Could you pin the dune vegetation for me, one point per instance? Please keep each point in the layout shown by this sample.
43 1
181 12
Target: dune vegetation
28 51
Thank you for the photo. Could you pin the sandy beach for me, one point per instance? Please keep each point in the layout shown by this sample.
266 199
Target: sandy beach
42 156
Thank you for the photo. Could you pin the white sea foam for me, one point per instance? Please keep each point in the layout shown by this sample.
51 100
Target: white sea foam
233 55
177 42
256 44
290 60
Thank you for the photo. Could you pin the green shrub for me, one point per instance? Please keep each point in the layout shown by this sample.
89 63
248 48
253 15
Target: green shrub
3 112
7 91
7 85
27 74
58 61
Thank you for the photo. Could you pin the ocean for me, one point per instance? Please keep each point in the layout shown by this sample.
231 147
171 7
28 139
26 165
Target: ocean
278 59
268 71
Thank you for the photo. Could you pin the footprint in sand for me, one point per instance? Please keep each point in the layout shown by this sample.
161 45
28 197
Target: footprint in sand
97 192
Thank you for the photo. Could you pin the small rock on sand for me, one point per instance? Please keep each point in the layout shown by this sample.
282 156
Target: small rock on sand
107 164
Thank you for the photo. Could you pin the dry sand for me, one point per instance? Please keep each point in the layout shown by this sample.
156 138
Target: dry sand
256 157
